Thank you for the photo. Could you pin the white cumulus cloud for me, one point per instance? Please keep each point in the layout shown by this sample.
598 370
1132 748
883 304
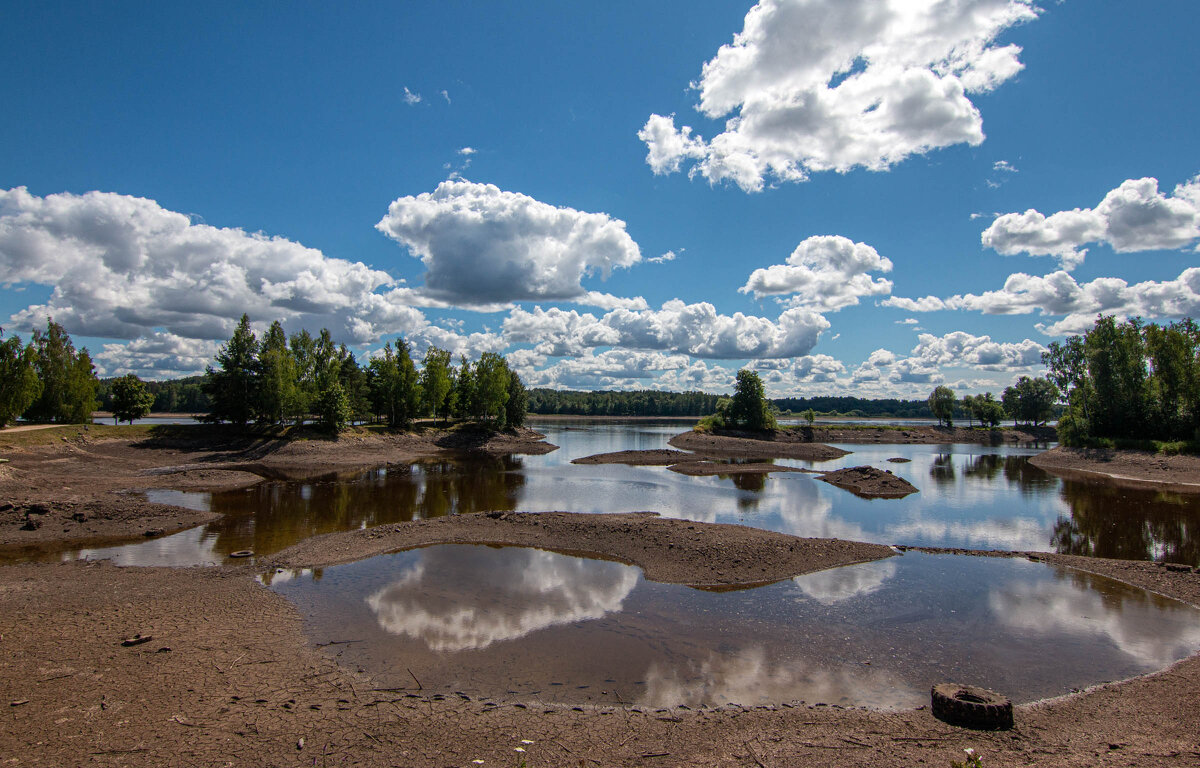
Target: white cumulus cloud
817 85
677 327
482 245
1061 294
825 272
124 267
1133 217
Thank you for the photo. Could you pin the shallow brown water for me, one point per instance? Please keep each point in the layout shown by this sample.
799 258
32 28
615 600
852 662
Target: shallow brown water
526 625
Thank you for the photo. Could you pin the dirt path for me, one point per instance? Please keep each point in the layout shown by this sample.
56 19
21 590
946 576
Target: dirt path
28 428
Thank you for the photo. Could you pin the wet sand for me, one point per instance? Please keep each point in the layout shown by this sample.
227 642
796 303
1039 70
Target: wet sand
1131 468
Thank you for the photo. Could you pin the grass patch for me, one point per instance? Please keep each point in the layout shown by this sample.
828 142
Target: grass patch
71 433
1164 447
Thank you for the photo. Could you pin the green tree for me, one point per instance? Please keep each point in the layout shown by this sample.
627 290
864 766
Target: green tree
232 386
1116 362
436 380
517 405
130 399
19 383
333 407
987 410
491 378
392 380
304 354
941 404
331 403
1174 353
277 378
1030 400
82 386
69 383
462 392
969 408
750 408
810 416
354 381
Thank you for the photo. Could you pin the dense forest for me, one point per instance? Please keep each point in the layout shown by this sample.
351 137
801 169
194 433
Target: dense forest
1129 381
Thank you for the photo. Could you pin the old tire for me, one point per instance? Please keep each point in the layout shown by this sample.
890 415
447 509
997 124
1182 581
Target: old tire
242 553
970 706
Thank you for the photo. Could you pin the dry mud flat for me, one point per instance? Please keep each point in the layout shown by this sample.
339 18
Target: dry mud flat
667 550
227 678
783 444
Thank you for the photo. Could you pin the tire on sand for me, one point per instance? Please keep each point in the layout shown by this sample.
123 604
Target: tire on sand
970 706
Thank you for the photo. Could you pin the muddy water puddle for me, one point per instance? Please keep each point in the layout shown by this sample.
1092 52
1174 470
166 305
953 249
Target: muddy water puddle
525 625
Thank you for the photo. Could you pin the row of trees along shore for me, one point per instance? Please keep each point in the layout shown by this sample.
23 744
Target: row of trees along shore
47 379
1029 401
307 378
1129 381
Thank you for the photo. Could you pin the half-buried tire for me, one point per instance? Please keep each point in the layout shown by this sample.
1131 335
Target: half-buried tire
970 706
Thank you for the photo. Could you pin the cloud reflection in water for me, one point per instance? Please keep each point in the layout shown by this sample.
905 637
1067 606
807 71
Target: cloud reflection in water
467 598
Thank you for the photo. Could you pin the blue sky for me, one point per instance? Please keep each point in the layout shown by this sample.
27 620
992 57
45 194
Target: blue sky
850 196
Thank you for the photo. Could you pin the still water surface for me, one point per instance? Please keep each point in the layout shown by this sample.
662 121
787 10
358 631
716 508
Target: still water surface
523 624
981 497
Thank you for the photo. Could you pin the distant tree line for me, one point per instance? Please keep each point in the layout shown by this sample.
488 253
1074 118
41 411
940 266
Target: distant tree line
826 405
302 378
642 402
46 380
1129 381
185 395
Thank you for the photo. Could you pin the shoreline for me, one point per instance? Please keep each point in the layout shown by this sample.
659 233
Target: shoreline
1141 469
212 686
79 486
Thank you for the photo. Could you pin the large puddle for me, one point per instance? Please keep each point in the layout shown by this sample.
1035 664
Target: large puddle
972 496
526 625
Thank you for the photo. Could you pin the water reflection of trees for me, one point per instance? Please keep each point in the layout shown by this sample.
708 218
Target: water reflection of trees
1131 524
1016 469
271 516
941 471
